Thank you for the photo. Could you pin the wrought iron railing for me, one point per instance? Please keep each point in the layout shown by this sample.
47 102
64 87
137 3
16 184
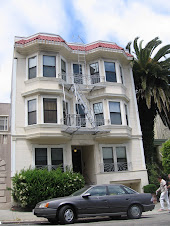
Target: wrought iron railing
115 167
49 167
77 120
81 78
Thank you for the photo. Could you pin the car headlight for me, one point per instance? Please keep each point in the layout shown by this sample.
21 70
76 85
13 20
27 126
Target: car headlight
44 205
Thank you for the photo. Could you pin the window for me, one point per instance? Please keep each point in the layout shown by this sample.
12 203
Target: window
94 72
129 190
3 123
98 112
49 66
121 74
80 119
65 113
50 157
63 69
57 156
97 191
77 71
40 157
114 158
32 119
126 114
116 190
110 71
50 110
115 113
32 67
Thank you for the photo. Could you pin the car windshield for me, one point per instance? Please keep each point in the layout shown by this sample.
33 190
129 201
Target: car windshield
81 191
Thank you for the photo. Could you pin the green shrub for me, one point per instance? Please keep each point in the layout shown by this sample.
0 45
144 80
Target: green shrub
166 156
150 188
34 185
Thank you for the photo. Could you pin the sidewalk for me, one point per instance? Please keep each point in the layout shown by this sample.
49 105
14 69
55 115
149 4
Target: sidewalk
8 216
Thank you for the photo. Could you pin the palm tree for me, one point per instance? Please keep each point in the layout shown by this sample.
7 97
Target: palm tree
151 71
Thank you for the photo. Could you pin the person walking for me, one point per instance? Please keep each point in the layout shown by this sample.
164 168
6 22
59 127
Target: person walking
168 186
164 194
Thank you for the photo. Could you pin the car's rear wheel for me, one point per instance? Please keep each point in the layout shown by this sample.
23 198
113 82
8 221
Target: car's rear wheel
66 215
134 212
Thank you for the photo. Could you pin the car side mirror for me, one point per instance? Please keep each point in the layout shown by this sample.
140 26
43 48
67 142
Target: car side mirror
86 195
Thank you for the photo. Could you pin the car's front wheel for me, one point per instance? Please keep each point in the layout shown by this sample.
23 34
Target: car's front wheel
134 212
66 215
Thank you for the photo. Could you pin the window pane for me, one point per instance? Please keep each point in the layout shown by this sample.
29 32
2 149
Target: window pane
121 152
109 66
32 118
77 69
116 190
121 74
50 110
31 105
94 68
98 108
32 72
41 156
49 71
107 152
114 106
56 156
110 71
63 66
3 123
32 62
115 118
98 191
80 109
49 61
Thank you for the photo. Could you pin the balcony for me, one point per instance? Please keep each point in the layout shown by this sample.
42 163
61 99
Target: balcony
115 167
50 167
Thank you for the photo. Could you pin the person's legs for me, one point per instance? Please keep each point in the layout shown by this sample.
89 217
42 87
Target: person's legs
162 197
167 200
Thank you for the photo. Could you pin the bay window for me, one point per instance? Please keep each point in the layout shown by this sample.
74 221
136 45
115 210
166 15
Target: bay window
50 110
115 113
49 66
110 72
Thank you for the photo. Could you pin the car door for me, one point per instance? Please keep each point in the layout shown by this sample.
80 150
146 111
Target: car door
96 202
118 199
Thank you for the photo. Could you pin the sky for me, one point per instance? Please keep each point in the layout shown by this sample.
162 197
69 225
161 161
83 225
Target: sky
117 21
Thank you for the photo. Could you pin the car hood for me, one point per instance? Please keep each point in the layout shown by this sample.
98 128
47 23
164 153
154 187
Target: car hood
59 199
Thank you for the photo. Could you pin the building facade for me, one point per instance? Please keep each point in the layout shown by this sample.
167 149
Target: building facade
74 106
5 153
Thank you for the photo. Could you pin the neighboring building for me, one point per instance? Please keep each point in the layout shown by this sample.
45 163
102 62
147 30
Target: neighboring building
74 106
161 135
5 153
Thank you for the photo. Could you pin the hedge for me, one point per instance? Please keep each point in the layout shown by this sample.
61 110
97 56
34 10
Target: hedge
34 185
150 188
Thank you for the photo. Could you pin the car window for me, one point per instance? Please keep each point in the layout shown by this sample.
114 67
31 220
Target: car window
129 190
97 191
81 191
116 190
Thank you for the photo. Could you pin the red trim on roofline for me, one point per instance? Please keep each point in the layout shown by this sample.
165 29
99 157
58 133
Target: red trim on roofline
73 46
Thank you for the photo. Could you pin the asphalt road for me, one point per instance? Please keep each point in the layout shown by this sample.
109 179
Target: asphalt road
154 220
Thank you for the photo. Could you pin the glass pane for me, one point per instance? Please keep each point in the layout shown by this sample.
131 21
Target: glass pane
63 66
50 117
107 152
109 66
32 72
98 191
121 152
40 156
98 108
99 119
49 61
77 69
32 62
50 110
116 190
31 105
32 118
110 76
114 106
50 104
49 71
94 68
115 118
110 71
80 109
56 156
121 75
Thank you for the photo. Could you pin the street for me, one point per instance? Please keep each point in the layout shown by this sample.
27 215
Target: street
146 220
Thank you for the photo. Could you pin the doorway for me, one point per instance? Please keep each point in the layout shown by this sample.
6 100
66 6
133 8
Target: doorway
76 160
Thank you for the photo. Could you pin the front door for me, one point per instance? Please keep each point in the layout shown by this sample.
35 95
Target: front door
76 159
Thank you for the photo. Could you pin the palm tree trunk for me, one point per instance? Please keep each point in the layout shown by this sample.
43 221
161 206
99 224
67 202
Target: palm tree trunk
147 117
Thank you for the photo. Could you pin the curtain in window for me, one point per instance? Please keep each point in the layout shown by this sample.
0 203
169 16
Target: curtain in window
50 110
40 157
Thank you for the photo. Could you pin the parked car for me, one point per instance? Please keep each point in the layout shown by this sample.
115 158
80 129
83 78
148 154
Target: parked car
97 200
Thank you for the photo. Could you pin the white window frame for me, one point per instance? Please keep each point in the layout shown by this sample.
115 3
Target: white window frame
121 111
103 110
62 58
114 146
27 65
93 62
26 110
48 147
5 124
72 73
122 81
111 61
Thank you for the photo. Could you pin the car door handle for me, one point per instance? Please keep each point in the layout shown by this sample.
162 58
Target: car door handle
127 199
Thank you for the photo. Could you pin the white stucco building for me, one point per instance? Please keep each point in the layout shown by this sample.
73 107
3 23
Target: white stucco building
74 105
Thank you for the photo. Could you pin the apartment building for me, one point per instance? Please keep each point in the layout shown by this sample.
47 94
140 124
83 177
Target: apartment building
74 106
5 153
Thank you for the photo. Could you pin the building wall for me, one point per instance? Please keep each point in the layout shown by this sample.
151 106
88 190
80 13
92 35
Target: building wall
5 156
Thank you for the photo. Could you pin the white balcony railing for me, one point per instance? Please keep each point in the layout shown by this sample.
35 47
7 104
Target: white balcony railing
49 167
115 167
